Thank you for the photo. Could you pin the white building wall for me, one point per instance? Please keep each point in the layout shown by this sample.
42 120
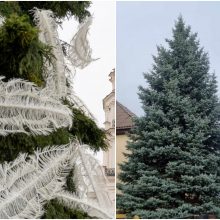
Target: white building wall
109 108
109 156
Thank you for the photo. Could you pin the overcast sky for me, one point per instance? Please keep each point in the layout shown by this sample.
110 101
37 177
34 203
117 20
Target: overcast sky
92 83
143 25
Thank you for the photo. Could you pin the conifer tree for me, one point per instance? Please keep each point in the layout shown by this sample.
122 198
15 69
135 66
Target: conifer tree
173 164
23 56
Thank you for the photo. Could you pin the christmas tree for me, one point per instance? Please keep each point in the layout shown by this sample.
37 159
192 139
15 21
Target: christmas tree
172 168
40 110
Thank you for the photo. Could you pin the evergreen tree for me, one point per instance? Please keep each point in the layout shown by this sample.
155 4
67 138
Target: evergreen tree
173 166
23 56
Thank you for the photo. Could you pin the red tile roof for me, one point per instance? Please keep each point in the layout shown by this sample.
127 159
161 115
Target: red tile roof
123 117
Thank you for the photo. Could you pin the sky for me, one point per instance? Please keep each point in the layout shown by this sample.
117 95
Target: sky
143 25
92 83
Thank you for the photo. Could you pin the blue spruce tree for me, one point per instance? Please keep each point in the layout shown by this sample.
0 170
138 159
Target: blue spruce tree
173 165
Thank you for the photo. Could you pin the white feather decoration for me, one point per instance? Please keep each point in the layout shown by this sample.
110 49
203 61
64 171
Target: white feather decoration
72 97
55 75
90 180
72 201
25 108
28 183
80 53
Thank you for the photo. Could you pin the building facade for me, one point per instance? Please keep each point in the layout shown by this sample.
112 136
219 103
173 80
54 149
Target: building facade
109 156
124 123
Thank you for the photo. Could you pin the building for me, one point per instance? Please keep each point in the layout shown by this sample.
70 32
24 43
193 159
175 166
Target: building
109 156
124 123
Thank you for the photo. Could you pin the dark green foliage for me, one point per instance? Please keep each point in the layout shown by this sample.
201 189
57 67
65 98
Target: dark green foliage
87 131
20 47
173 170
7 8
61 10
55 210
70 185
13 144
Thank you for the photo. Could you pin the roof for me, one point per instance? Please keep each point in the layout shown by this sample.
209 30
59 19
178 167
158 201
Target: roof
123 117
